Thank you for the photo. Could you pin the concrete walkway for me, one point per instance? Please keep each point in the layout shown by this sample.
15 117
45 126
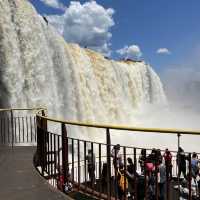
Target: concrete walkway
19 180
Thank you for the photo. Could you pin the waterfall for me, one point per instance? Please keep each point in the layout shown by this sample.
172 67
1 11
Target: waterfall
38 68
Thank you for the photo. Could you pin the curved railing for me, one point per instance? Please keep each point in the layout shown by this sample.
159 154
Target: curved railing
63 159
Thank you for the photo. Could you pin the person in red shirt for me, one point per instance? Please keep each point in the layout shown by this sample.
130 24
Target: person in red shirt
168 163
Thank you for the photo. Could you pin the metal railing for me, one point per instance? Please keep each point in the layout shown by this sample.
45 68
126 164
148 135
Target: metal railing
63 160
18 126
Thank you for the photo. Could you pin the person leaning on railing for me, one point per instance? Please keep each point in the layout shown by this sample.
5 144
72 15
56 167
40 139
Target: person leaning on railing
132 176
142 159
181 162
117 157
118 165
91 165
168 163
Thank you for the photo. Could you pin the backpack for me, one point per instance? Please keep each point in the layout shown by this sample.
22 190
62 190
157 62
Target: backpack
122 180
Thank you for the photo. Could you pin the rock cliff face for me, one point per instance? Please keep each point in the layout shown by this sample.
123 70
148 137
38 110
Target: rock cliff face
38 68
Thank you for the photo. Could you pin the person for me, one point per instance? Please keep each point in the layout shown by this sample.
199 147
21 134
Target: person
61 184
162 179
132 176
122 182
194 165
153 158
104 177
91 166
117 157
181 162
142 159
168 163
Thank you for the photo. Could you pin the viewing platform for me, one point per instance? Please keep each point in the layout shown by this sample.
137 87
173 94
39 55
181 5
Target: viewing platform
19 180
38 162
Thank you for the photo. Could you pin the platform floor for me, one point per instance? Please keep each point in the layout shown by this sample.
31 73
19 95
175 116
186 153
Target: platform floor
19 180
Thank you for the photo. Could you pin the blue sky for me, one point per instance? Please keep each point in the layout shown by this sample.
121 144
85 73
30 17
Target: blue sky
170 24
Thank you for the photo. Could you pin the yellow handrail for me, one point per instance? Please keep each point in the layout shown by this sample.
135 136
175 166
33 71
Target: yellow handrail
24 109
123 127
106 126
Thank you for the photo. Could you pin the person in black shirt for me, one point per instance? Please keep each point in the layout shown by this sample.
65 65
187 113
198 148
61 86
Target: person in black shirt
181 162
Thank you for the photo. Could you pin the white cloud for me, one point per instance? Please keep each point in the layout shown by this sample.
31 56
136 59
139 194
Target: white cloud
53 3
130 52
87 24
163 51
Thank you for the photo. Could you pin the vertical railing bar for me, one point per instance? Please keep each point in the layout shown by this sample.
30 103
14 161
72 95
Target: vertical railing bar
12 127
125 168
54 145
51 150
79 174
168 180
85 164
190 178
35 129
100 167
8 124
108 143
178 159
156 171
47 151
15 121
59 168
1 130
31 128
3 133
145 179
19 129
93 167
4 120
27 128
116 178
135 174
23 128
73 160
65 162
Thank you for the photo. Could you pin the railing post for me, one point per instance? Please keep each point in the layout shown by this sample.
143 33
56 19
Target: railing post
190 177
65 163
168 179
125 169
178 160
100 168
43 142
85 166
135 174
108 143
12 127
156 171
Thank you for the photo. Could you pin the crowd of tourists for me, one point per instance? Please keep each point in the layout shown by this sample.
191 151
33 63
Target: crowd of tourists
157 168
152 177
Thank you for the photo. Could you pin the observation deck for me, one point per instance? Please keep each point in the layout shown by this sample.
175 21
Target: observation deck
39 159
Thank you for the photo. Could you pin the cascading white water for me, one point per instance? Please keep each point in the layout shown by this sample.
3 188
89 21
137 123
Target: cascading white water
38 68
